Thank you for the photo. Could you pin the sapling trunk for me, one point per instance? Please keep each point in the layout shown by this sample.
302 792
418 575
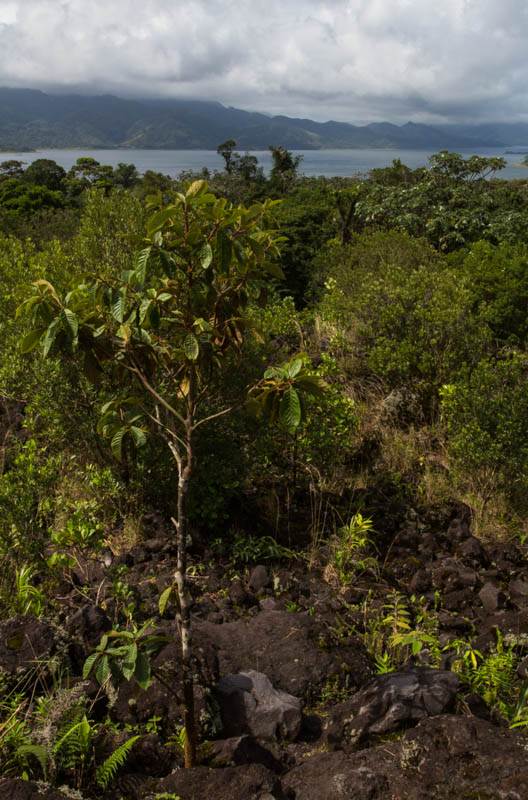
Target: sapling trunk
183 617
185 466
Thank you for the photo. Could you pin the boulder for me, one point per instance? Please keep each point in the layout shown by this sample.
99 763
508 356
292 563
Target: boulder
250 705
259 578
453 757
248 782
443 758
390 702
491 597
339 776
296 651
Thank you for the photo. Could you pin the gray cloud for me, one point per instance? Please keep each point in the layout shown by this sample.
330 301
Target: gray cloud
351 60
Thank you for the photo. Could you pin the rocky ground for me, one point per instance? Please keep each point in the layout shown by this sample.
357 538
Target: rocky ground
289 695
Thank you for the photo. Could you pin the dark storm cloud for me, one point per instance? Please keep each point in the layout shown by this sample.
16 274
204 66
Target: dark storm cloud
349 60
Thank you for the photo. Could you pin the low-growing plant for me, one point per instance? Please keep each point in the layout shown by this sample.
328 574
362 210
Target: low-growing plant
125 654
259 548
349 549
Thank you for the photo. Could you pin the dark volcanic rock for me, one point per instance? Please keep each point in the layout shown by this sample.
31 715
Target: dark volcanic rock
23 642
259 578
454 758
27 790
443 758
491 597
250 705
390 702
337 776
295 651
251 782
240 750
86 627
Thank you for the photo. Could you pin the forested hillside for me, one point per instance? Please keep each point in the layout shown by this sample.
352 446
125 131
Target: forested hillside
270 426
30 119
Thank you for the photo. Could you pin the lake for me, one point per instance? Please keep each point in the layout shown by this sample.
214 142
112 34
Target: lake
315 162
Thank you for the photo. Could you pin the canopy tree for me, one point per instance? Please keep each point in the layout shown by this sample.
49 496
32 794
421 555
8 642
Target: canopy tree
172 324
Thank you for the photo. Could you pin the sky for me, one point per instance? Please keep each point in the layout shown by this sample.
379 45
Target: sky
355 61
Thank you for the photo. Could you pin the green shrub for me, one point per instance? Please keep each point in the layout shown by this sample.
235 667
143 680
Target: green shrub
498 277
409 315
485 411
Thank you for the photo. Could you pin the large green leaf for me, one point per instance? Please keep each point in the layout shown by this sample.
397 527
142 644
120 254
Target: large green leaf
116 445
102 670
158 220
295 366
49 336
290 409
224 251
273 269
118 305
88 664
138 436
195 189
129 661
191 347
164 599
31 340
69 322
206 255
142 671
141 263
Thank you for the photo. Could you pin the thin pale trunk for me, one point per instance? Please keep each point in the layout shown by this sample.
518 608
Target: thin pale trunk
184 620
184 611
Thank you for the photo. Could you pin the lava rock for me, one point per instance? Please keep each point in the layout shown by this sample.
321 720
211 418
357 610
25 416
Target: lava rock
250 705
24 641
295 651
17 789
259 578
248 782
390 702
240 750
491 597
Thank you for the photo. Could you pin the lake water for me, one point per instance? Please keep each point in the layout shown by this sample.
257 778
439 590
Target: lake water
315 162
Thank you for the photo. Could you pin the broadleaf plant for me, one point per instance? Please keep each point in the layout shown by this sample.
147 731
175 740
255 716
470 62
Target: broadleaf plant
173 323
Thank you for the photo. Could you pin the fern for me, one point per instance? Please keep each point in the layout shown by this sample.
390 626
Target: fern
39 751
74 746
72 738
107 770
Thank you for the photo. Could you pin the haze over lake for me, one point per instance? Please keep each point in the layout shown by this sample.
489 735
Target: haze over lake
315 162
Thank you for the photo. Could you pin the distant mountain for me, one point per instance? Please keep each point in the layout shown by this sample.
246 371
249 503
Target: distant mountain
31 119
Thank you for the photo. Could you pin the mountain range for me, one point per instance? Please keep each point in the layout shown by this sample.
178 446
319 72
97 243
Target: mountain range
31 119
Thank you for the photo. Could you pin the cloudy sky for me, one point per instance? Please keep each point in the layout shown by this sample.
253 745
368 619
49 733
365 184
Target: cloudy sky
352 60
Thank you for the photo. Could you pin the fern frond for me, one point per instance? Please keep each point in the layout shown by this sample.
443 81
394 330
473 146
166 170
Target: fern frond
107 770
39 751
74 745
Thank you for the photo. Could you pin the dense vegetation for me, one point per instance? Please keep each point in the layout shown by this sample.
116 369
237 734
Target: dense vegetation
380 324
